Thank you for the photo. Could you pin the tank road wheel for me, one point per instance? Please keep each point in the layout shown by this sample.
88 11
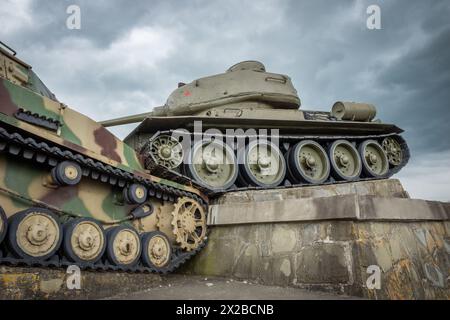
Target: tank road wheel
166 151
189 223
309 162
156 250
34 233
374 160
213 164
84 240
67 173
393 151
3 224
123 246
135 193
345 161
262 164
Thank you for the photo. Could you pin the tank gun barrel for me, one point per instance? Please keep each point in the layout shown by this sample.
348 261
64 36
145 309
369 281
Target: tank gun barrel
125 120
157 111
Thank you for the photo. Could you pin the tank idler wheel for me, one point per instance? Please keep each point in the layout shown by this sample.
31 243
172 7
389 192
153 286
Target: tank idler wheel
262 164
166 151
84 240
123 247
34 233
374 160
393 151
309 162
213 164
345 160
67 173
3 224
135 193
156 250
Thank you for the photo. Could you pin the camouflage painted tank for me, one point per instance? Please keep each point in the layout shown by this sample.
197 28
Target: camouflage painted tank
227 118
72 193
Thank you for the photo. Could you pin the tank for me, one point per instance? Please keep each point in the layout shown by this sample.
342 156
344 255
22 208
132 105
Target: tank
244 129
71 193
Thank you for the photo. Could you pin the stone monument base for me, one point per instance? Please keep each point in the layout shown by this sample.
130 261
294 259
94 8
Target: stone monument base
332 238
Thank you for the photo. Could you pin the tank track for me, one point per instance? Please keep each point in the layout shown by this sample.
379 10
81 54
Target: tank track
58 261
43 153
162 171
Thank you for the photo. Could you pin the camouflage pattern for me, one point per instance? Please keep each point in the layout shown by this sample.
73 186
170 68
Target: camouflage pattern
93 140
88 198
29 108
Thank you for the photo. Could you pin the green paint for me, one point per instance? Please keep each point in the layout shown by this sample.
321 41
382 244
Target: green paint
124 167
172 184
12 121
19 178
68 135
28 100
115 212
130 156
76 205
33 102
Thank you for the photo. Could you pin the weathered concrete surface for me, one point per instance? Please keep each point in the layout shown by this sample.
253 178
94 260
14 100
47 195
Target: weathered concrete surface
370 200
37 283
328 208
328 243
391 188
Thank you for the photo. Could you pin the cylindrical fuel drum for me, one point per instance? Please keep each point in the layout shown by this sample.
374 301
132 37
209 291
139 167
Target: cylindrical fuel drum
353 111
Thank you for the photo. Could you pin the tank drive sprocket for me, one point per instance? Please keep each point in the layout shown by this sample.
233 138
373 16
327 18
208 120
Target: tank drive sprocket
163 150
393 150
189 223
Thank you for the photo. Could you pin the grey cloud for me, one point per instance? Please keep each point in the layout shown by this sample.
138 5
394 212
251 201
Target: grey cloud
422 76
129 56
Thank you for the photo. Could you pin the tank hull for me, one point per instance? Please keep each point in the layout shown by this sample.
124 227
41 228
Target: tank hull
287 133
25 164
71 193
151 125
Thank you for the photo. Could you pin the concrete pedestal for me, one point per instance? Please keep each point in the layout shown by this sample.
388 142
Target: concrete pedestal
332 238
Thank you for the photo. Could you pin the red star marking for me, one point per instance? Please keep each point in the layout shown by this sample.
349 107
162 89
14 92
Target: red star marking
186 93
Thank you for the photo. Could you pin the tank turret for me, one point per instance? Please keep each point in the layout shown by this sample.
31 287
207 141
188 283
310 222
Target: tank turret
244 85
244 90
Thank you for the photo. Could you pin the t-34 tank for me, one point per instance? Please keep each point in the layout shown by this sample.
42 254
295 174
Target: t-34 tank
72 193
222 117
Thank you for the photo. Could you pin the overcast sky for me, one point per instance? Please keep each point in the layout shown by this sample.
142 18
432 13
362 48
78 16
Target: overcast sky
129 55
